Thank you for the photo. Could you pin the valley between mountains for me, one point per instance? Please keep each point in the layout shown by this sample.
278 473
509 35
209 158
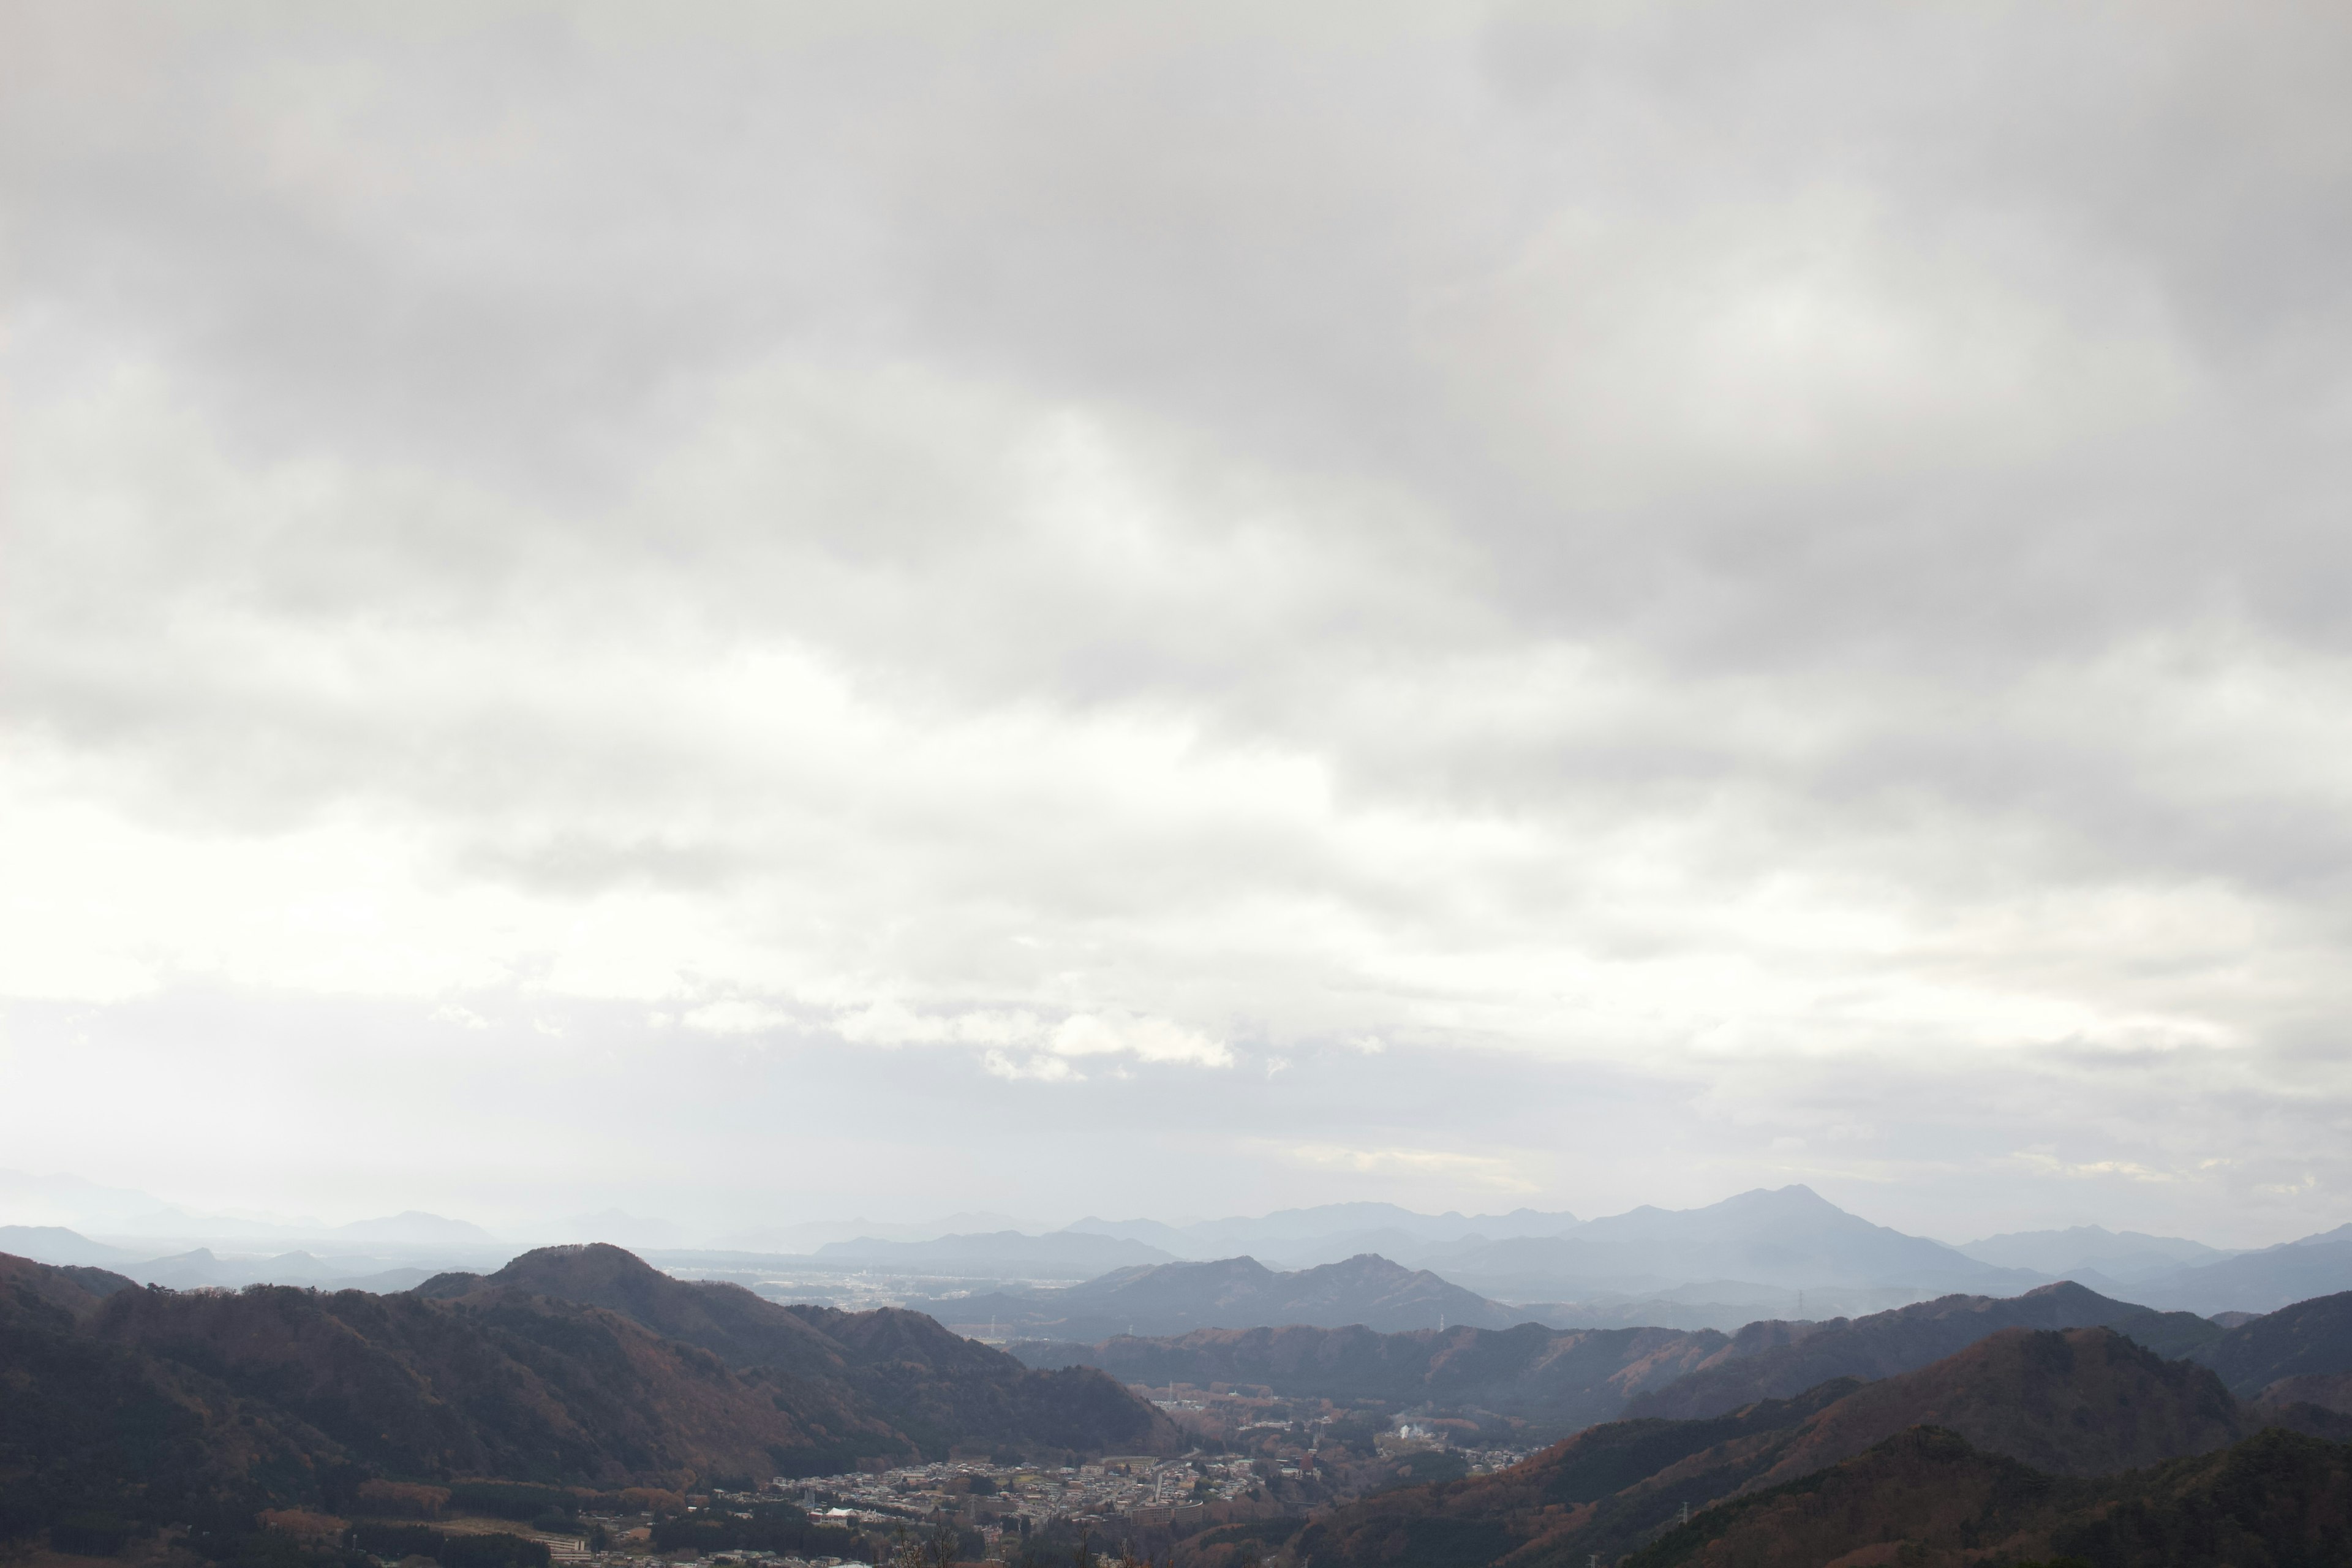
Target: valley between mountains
585 1397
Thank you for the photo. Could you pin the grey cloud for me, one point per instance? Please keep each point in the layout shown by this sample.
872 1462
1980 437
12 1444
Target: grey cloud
1557 528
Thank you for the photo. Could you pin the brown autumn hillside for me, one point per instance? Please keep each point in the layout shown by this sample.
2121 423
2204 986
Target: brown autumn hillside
271 1389
81 1420
1928 1499
932 1389
2310 1337
520 1387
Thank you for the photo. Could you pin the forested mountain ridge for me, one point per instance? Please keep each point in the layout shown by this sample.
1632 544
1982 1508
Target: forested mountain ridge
1928 1499
1885 1343
138 1398
1557 1380
523 1388
2084 1401
2307 1339
933 1388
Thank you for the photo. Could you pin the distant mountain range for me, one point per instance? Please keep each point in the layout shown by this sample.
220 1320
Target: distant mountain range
1786 1359
1558 1382
1764 1252
189 1270
1327 1233
1786 1253
2116 1254
1792 1237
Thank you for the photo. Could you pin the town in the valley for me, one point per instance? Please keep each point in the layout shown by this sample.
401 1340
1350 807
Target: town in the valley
1257 1460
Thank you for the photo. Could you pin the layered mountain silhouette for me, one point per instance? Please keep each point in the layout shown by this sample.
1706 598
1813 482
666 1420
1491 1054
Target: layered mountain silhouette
2307 1340
1235 1292
1786 1252
2116 1255
1559 1380
1554 1381
2258 1281
1777 1361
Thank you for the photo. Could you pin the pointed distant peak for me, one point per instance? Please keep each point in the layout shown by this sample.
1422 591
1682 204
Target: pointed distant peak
1795 1194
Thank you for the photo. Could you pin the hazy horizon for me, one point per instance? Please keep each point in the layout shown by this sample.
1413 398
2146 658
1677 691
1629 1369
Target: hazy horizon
750 613
19 1207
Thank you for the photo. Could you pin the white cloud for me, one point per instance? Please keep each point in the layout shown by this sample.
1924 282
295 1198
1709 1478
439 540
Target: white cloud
1044 1069
736 1017
1147 1039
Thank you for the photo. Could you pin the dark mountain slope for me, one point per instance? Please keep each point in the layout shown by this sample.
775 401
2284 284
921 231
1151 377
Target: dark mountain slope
1482 1520
2088 1402
2308 1339
1881 1345
74 1290
1927 1499
1552 1379
944 1390
2084 1401
860 1374
522 1388
739 1327
92 1427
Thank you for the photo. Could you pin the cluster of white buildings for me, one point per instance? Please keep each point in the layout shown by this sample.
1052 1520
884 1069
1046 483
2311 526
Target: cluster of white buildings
1002 1501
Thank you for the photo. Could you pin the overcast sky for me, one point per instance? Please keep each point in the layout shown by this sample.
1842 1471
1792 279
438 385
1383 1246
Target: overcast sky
760 611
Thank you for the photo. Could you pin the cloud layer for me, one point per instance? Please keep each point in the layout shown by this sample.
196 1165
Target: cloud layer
1779 569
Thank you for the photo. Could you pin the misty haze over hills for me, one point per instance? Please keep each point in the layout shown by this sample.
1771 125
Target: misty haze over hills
1784 1253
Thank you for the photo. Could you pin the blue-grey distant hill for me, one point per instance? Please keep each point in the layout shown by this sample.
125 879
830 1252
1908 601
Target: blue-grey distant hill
1791 1238
2113 1255
1230 1293
2258 1282
57 1246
